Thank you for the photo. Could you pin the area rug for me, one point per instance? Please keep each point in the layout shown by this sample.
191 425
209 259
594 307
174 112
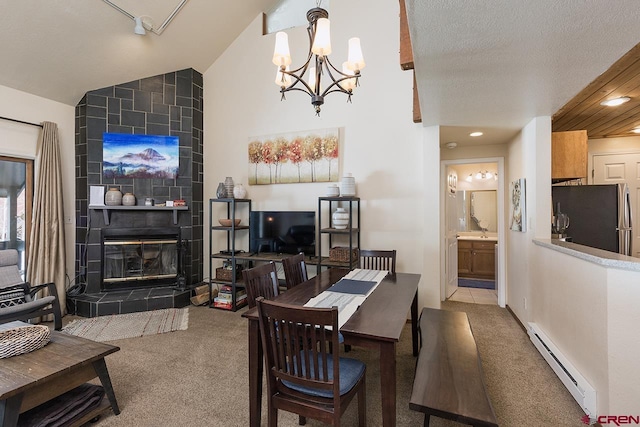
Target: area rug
130 325
474 283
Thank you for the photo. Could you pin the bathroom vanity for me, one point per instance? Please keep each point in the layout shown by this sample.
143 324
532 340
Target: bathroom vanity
476 257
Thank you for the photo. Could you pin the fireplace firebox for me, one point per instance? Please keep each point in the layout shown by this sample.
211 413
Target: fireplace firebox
140 257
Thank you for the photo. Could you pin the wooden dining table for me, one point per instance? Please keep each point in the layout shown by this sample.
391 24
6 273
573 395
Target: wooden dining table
377 325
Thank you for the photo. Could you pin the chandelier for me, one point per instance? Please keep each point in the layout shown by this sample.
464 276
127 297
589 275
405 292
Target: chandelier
308 77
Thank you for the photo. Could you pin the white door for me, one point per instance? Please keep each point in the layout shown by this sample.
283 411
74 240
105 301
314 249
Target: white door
451 234
618 169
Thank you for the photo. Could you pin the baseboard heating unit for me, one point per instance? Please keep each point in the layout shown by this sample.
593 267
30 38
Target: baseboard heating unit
577 385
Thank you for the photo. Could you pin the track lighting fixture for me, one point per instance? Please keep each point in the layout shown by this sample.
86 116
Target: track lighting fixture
142 26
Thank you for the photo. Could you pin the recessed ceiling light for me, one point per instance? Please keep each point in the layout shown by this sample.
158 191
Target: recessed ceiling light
475 134
615 101
451 145
636 130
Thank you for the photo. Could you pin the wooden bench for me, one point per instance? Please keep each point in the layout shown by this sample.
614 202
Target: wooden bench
448 381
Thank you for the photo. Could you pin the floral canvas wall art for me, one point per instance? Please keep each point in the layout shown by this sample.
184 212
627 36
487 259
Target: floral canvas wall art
140 156
518 220
307 156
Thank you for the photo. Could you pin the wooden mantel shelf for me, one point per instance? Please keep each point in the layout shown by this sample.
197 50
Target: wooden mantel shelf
106 210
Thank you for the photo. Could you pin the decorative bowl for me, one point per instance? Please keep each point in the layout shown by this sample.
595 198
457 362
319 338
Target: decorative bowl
225 222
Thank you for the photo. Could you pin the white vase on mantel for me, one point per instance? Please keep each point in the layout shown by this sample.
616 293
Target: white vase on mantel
113 197
340 219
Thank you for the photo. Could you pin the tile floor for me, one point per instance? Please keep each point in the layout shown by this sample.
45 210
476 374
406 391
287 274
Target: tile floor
477 296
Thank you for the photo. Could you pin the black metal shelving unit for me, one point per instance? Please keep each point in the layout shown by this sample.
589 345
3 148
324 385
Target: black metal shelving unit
352 232
232 208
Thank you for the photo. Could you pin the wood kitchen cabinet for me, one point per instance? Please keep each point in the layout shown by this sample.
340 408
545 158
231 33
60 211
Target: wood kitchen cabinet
568 155
476 259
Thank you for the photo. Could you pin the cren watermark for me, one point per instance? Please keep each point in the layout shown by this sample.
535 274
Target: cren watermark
617 420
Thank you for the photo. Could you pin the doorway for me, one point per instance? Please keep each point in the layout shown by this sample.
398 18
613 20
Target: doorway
473 224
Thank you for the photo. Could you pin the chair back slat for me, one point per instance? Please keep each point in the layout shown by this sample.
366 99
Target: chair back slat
261 281
295 270
296 345
378 260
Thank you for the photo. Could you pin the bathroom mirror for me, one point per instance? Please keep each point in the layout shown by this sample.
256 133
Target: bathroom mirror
477 210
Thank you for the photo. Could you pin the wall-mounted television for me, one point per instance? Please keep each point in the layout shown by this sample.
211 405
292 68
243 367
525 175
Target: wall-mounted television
287 232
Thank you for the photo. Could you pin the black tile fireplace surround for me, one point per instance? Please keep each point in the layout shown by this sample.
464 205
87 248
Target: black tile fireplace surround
166 104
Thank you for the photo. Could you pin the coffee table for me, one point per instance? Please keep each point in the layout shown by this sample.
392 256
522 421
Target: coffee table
29 379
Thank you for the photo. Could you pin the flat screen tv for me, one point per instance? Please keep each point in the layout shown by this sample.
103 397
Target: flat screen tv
288 232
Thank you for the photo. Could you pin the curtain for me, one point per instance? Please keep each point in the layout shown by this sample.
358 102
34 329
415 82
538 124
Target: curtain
46 260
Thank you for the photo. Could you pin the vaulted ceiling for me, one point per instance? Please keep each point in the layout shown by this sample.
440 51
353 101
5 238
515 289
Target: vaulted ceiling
493 64
60 49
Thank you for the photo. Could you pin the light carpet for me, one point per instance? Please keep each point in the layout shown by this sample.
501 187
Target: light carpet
130 325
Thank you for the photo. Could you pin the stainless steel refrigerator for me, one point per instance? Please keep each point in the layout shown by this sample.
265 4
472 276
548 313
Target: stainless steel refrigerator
599 215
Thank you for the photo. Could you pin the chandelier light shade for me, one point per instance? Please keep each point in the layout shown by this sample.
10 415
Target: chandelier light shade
308 77
281 54
322 40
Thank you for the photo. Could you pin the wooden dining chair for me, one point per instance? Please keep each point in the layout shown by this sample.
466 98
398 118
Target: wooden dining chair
303 377
295 270
261 281
378 260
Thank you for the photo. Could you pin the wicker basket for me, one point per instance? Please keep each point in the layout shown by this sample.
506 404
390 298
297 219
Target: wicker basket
342 254
23 340
226 274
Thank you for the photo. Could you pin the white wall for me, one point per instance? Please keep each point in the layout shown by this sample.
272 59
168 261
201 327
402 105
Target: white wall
570 305
623 297
474 152
434 225
380 144
614 145
19 140
529 155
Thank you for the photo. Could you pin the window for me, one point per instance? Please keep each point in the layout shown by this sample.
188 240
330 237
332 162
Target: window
16 198
289 14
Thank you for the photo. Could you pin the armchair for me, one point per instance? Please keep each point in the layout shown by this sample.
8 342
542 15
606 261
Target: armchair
18 299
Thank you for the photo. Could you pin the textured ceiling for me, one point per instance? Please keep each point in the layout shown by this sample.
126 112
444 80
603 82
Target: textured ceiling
499 63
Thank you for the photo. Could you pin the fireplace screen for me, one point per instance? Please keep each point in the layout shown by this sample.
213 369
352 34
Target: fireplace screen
144 259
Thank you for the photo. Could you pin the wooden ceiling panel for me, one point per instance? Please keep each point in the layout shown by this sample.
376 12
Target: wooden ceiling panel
585 112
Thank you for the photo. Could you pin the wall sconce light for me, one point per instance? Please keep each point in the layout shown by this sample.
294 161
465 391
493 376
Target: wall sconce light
482 176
